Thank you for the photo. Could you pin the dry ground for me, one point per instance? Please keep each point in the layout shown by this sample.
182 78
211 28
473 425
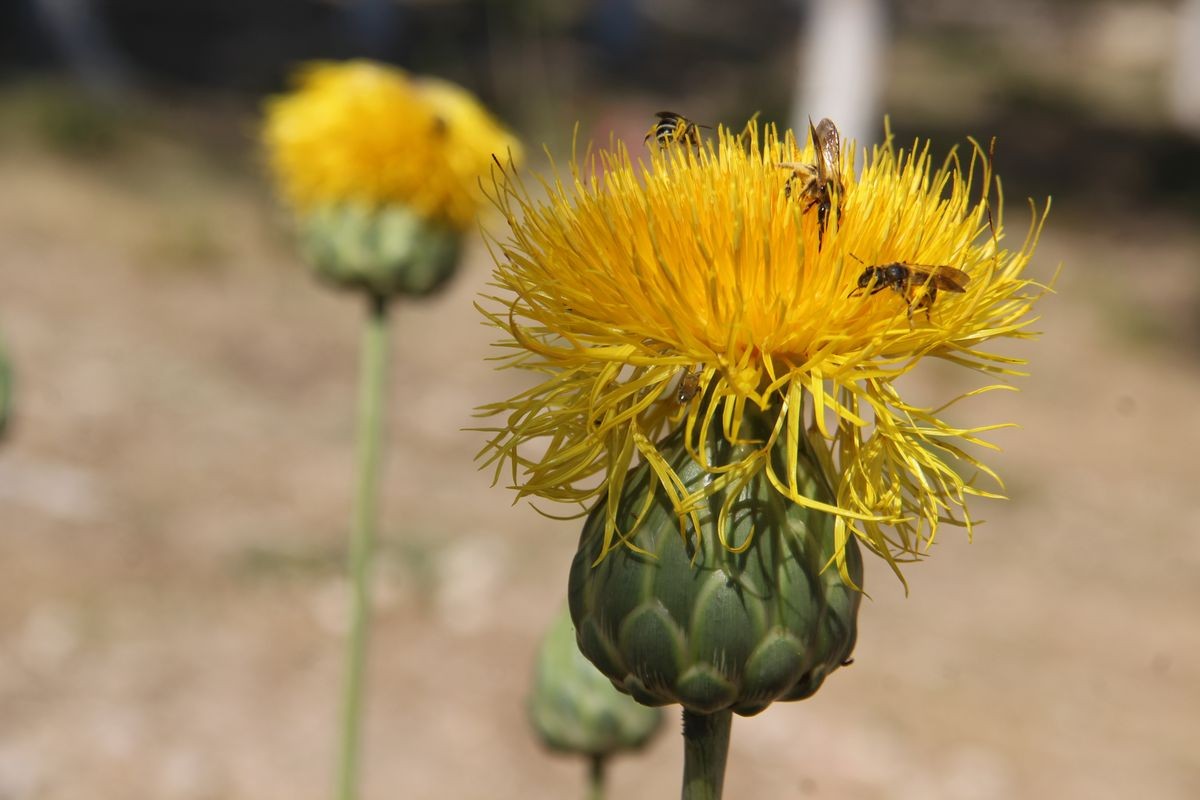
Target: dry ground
173 500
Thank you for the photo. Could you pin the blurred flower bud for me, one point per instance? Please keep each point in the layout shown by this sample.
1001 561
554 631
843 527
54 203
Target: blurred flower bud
385 251
575 709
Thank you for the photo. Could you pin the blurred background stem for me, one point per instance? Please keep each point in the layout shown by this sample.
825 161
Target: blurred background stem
362 542
596 777
705 748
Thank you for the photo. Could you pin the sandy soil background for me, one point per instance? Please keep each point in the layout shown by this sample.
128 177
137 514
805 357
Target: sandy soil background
174 494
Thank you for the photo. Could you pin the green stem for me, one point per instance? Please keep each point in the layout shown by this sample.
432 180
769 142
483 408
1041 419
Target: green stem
705 747
370 436
596 778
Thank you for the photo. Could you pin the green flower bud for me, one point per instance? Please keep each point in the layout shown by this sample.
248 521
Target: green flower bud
698 624
575 709
385 251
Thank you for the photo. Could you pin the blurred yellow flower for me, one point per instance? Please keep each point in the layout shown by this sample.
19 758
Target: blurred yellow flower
369 134
690 289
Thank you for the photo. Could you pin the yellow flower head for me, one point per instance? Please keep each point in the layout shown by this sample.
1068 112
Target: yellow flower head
369 134
699 286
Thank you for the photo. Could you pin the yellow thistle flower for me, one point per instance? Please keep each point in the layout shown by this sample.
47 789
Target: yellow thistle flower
369 134
691 289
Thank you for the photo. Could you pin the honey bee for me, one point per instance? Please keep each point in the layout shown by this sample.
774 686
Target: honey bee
673 128
821 182
689 384
918 284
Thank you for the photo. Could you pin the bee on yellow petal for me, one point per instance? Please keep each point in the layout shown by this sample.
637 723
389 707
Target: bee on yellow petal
918 284
689 385
673 128
820 182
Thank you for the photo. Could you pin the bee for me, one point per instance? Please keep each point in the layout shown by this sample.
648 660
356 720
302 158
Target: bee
673 128
689 384
918 284
820 182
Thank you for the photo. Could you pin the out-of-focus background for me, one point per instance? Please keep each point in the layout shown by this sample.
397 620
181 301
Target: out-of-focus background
174 485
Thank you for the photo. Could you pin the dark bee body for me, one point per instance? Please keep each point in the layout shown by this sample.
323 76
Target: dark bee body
820 182
916 283
689 384
673 128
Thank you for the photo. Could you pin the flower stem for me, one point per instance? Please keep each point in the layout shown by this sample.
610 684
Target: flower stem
370 435
705 747
596 778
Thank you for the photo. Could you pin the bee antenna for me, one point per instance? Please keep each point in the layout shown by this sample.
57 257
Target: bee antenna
992 171
854 291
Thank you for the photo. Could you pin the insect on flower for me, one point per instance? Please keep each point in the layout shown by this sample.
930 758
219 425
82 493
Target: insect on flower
918 284
673 128
689 385
821 182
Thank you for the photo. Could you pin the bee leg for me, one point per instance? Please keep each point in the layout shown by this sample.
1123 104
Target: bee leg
921 302
822 220
821 214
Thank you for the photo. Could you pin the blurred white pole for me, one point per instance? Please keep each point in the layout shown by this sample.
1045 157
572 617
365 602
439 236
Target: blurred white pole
1184 91
842 49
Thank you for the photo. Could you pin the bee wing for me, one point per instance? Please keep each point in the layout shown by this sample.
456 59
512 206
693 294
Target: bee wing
667 115
950 279
828 145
